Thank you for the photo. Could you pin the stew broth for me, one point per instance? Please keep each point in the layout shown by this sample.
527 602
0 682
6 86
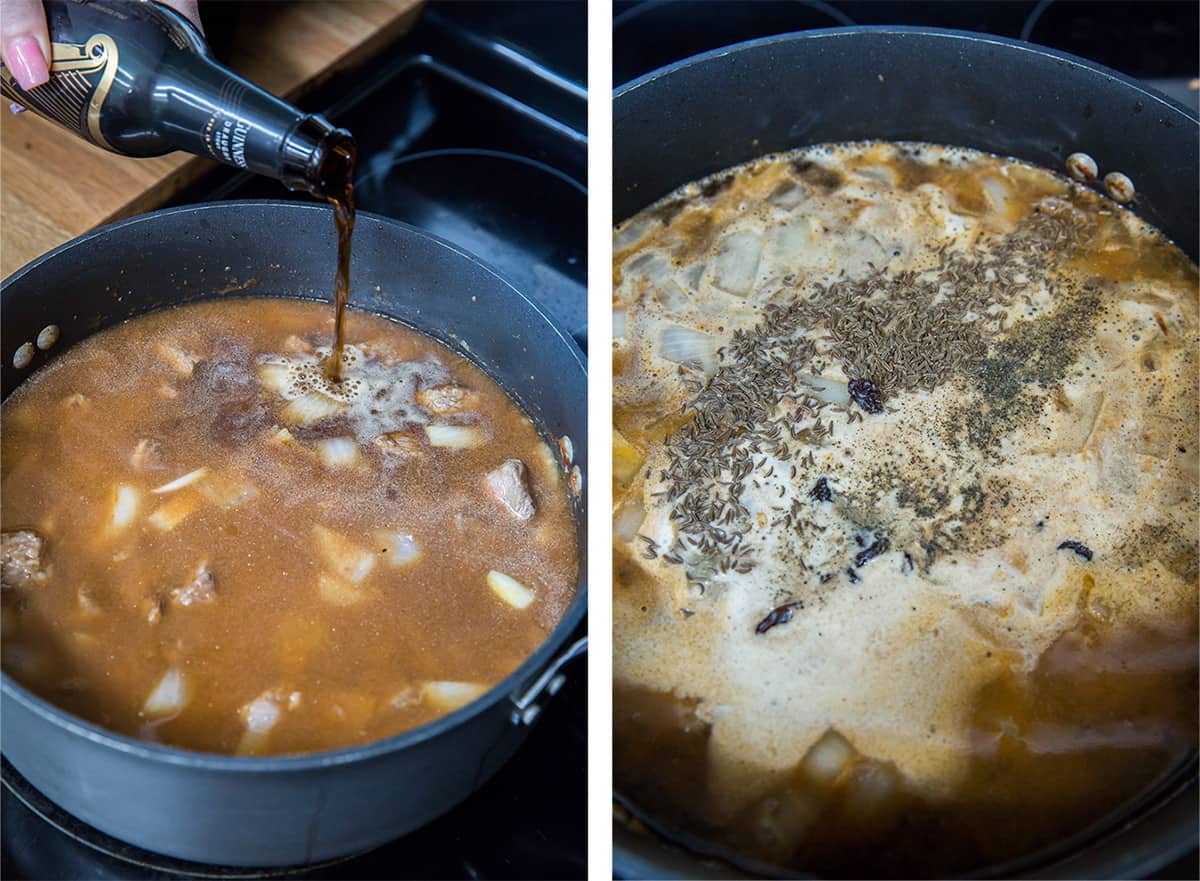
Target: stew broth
208 545
905 500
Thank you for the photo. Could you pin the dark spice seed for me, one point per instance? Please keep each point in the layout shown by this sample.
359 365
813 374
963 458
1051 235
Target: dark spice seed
820 491
866 394
779 615
866 555
1078 547
854 579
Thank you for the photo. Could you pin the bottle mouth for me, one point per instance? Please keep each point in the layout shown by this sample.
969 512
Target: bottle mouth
318 158
335 165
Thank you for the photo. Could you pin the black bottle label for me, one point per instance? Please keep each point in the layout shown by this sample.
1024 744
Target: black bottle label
81 76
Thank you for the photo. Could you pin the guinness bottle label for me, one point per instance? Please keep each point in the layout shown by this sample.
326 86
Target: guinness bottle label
81 76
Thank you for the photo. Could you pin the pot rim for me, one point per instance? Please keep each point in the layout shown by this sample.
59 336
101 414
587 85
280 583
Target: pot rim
508 687
904 31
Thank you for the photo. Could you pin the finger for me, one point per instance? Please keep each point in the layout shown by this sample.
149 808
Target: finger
189 9
24 41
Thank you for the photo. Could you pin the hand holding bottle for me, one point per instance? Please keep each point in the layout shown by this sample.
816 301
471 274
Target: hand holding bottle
26 43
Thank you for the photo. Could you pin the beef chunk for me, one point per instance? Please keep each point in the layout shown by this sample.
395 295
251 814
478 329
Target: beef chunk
507 484
445 398
147 454
231 379
21 558
399 444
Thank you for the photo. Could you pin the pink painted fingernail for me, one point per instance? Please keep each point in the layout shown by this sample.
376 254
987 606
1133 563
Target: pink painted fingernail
27 63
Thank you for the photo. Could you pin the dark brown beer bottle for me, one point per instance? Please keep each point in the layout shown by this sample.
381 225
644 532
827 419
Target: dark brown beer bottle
137 78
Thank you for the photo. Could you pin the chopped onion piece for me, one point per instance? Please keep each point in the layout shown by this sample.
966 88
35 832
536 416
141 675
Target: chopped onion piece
652 266
780 822
510 590
628 520
338 452
688 347
126 506
228 490
795 242
311 408
870 788
446 695
689 278
736 267
618 327
348 560
261 714
147 453
274 376
338 591
453 437
298 344
629 234
406 697
174 511
627 458
398 547
671 296
180 482
251 744
786 196
827 758
283 438
998 192
168 696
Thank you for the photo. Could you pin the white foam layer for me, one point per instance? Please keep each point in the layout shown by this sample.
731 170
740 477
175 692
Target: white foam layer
894 659
377 397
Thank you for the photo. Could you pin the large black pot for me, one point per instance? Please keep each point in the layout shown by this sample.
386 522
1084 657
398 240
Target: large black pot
293 809
725 107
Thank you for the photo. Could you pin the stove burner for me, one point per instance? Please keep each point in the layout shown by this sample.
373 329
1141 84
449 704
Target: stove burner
525 218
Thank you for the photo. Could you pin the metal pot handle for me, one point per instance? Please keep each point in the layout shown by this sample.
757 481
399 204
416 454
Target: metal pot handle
527 706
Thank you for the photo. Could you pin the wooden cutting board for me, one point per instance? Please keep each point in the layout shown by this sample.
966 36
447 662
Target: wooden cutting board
55 186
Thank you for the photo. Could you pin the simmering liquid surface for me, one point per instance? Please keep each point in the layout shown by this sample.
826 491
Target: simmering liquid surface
209 545
905 500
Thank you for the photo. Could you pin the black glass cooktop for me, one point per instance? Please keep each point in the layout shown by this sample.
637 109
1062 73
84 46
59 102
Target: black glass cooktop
472 127
1155 41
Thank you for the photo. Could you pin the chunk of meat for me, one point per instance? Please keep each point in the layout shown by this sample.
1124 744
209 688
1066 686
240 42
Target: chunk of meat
147 454
201 589
446 398
400 444
21 558
507 484
231 378
176 358
299 345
